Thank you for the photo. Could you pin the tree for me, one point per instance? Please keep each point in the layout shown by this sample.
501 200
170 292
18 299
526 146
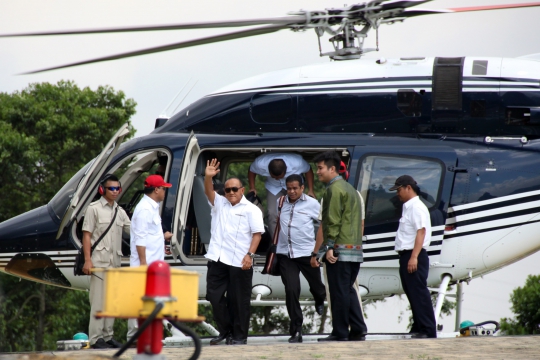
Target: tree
47 133
526 305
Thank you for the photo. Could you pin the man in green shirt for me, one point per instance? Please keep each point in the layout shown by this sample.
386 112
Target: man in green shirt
342 240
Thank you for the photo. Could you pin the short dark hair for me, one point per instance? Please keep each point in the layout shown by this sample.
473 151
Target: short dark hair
148 190
108 177
330 158
295 177
233 178
416 189
277 167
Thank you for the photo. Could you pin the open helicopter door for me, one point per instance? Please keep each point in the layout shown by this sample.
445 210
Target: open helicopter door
92 176
185 185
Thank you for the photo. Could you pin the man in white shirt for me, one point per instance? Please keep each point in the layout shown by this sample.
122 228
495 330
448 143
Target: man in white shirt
147 237
236 231
294 249
412 239
276 167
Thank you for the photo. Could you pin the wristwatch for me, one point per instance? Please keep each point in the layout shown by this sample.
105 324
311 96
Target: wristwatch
251 255
314 254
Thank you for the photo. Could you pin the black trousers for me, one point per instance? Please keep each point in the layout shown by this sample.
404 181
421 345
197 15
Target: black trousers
290 275
415 287
347 318
231 311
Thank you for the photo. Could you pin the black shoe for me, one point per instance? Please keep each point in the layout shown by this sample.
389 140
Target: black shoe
101 344
238 342
219 339
319 308
333 338
419 336
357 337
114 344
296 338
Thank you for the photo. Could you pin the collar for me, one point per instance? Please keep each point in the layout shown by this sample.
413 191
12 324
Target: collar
151 201
302 197
410 202
333 180
243 201
104 202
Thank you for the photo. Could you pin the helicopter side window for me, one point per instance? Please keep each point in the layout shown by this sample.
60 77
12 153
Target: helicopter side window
272 109
378 175
409 102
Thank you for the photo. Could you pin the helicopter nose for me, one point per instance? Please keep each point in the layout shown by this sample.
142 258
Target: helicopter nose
34 230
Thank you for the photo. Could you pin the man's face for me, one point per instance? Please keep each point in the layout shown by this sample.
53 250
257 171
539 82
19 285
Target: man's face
404 193
234 197
111 195
160 193
325 174
294 190
278 177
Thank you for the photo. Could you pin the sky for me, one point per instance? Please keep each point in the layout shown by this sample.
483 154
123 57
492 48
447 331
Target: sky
154 81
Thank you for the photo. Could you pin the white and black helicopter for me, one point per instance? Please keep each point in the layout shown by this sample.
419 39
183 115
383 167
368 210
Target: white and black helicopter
467 128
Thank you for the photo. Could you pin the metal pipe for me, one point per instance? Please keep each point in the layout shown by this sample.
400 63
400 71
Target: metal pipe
442 292
459 301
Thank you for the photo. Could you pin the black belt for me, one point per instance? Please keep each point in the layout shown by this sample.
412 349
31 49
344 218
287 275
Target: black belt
401 252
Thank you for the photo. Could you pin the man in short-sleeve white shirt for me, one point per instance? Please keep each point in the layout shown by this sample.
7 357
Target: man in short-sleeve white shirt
277 167
236 231
412 239
147 240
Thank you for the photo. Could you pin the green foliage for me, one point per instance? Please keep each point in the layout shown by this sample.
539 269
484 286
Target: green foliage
526 305
47 133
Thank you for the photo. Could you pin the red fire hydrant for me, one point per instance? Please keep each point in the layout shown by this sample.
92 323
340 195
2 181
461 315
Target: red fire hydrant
158 290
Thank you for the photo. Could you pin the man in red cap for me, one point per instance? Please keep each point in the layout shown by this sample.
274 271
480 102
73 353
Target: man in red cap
147 237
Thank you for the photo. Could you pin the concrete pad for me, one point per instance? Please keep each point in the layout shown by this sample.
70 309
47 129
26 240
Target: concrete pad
492 348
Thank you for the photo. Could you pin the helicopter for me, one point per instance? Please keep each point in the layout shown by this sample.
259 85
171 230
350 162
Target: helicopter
465 127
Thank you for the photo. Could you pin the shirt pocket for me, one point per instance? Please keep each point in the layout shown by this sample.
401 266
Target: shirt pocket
156 221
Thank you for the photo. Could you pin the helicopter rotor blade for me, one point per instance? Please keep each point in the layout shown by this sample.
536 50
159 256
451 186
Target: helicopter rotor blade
282 21
417 12
183 44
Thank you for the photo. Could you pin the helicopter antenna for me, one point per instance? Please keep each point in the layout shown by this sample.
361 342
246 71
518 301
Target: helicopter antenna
164 112
182 100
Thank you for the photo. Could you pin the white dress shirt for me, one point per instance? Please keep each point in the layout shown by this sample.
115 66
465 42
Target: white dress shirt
296 225
414 217
146 231
232 230
295 165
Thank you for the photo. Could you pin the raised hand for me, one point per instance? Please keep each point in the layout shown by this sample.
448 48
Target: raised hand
212 168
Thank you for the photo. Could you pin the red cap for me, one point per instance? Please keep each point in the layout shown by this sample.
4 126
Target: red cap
155 181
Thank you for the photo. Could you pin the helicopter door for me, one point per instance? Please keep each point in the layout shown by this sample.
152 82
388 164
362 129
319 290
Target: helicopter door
92 176
184 192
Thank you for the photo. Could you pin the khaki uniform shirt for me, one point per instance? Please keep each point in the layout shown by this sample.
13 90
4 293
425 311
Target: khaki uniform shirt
97 218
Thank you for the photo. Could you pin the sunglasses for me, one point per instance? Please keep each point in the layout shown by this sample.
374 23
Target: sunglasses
113 188
233 189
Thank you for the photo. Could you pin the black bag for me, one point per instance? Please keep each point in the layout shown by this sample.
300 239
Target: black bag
271 266
79 258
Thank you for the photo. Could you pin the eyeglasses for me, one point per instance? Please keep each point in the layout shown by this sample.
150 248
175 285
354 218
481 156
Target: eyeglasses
113 188
233 189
